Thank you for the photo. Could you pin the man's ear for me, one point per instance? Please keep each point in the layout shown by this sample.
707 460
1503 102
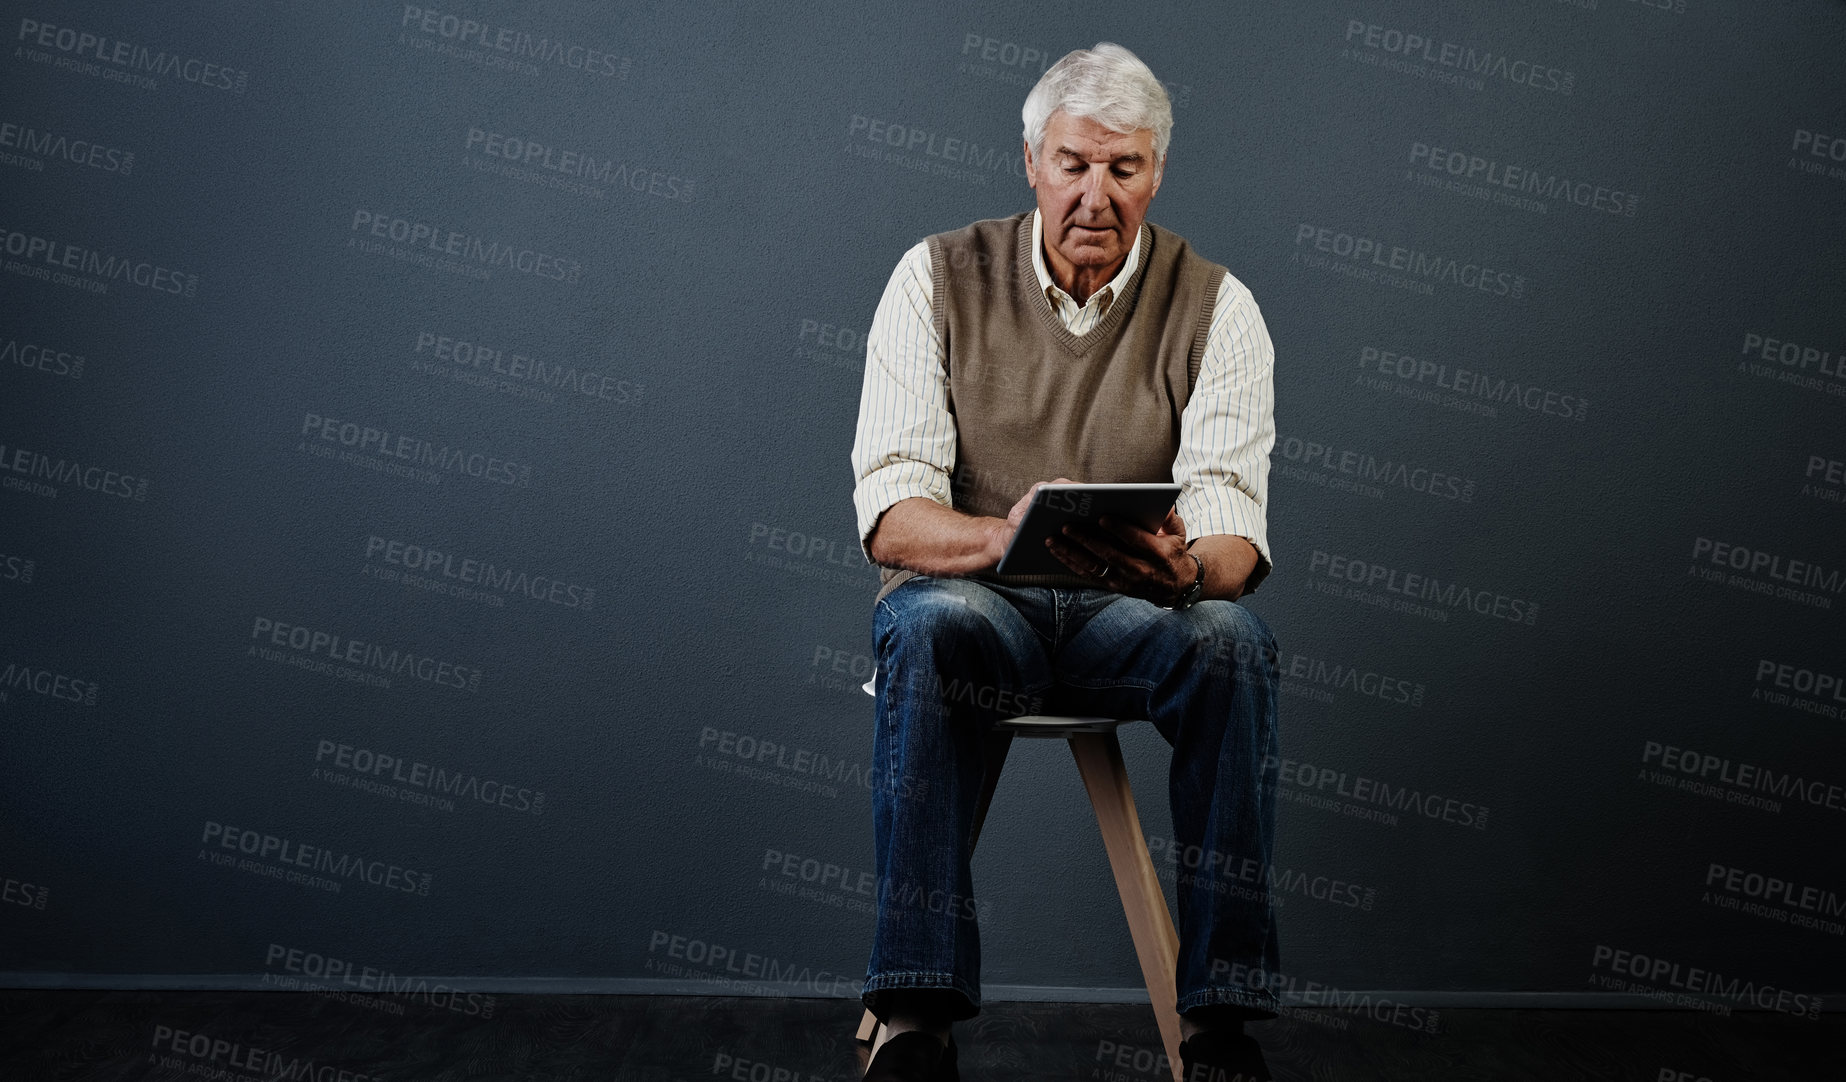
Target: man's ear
1160 173
1031 173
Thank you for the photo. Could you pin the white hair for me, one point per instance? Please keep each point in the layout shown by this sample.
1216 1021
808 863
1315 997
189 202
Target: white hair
1108 84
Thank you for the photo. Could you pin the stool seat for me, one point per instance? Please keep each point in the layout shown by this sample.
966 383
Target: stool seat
1059 725
1098 754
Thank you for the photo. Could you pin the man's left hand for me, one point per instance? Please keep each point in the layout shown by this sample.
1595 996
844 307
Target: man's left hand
1121 556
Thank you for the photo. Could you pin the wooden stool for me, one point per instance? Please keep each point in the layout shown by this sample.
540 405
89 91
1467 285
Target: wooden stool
1098 753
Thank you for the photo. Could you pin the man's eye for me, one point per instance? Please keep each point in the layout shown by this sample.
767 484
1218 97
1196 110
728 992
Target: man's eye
1073 169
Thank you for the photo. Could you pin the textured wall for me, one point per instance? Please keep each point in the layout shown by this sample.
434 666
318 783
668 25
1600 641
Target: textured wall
423 462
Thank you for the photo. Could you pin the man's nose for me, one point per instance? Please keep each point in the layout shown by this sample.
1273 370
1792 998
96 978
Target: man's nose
1095 193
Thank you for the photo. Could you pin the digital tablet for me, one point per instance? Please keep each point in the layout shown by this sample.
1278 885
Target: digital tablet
1054 505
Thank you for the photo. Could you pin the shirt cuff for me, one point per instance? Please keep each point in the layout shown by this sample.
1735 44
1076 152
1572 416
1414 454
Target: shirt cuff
1212 510
881 488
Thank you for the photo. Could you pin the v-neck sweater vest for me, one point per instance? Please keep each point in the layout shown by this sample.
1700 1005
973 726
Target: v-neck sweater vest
1034 402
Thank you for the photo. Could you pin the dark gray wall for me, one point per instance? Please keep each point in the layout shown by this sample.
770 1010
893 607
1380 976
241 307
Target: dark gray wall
1604 398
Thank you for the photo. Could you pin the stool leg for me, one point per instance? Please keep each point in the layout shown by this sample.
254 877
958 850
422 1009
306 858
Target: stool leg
1105 776
993 758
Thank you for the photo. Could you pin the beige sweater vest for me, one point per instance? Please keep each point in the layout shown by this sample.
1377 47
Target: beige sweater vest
1033 402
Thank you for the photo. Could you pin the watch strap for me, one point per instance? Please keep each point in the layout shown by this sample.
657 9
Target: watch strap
1191 596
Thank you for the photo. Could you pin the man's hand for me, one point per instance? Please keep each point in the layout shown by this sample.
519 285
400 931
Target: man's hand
922 535
1018 514
1121 556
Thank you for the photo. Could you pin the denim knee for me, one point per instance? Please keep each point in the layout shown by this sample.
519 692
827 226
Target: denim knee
1232 640
939 614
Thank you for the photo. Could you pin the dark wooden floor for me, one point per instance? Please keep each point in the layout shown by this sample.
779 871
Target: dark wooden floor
544 1038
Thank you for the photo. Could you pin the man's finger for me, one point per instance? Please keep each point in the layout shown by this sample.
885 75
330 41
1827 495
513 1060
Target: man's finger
1093 539
1079 560
1132 537
1127 574
1095 550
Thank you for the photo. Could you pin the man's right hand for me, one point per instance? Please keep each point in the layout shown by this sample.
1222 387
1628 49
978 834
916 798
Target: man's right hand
1018 513
920 534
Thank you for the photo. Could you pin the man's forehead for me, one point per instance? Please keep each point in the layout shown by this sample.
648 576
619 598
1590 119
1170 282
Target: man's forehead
1103 154
1084 137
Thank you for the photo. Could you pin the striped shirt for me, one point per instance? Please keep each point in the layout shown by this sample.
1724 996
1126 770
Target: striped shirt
904 445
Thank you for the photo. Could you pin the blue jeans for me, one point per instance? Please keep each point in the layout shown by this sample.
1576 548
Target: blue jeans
956 654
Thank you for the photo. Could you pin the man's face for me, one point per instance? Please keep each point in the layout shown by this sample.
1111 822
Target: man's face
1093 188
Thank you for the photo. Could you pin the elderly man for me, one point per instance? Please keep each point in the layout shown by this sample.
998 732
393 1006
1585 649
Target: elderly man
1078 339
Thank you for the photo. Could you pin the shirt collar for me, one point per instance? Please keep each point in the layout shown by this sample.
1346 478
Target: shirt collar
1116 284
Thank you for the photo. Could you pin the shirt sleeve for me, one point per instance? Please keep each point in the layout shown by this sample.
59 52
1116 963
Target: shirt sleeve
1228 428
904 444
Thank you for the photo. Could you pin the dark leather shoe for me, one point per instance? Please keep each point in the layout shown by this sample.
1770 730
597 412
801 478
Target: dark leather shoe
914 1057
1222 1055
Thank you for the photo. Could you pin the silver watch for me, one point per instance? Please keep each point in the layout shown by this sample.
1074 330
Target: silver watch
1191 596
